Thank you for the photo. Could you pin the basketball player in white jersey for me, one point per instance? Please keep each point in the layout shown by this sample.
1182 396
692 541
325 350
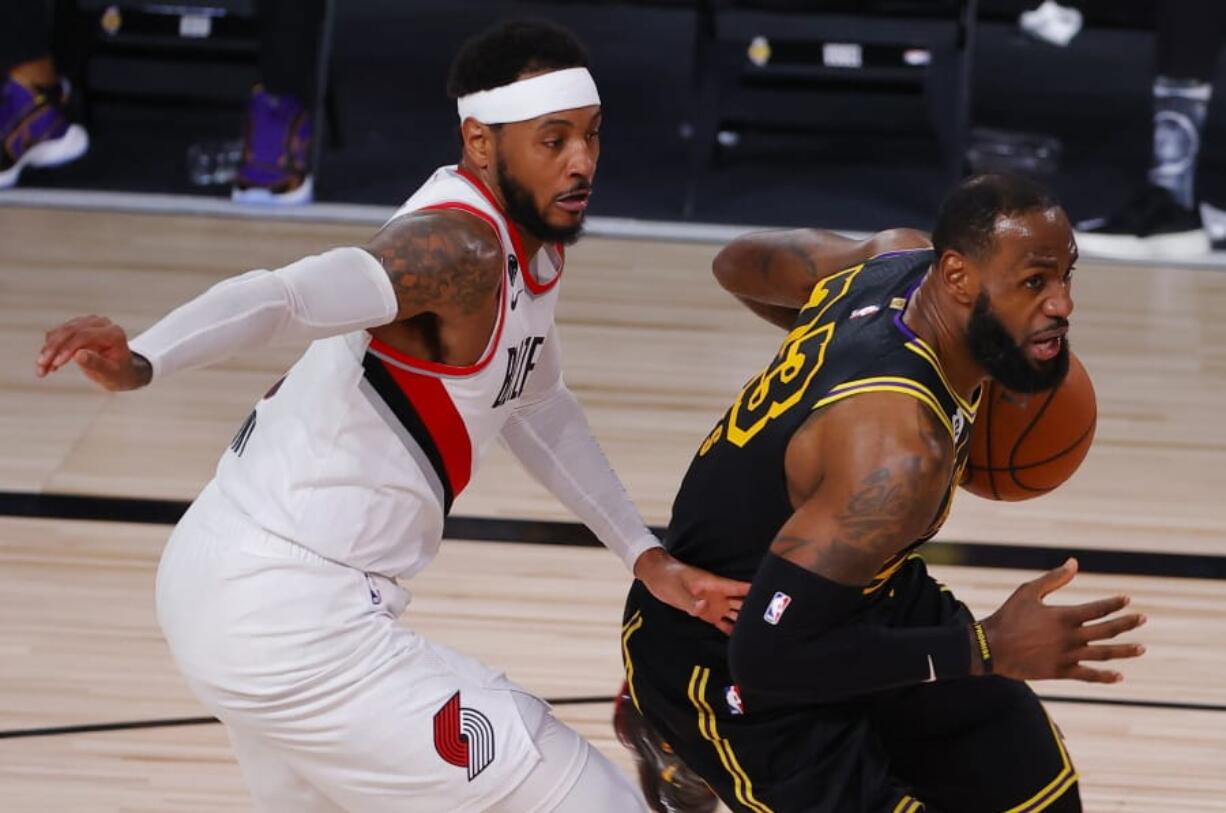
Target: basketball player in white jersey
278 590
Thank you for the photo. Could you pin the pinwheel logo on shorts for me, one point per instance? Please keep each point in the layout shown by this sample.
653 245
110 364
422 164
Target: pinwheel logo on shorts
463 737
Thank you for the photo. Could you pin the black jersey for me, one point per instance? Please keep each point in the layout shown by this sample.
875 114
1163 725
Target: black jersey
848 339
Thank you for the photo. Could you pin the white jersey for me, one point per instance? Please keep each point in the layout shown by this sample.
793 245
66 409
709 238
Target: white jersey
358 453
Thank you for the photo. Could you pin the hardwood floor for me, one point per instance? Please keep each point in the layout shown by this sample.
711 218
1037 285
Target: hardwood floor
655 352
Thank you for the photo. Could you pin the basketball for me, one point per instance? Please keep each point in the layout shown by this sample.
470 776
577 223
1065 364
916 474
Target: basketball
1023 446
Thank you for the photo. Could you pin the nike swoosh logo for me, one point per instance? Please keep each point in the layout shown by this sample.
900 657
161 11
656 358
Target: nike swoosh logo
515 298
932 672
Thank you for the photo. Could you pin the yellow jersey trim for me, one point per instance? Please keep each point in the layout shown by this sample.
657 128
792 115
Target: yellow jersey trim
924 350
1054 789
905 386
707 727
628 629
887 572
908 804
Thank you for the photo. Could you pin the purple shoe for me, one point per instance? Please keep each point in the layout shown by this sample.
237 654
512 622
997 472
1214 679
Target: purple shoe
34 130
276 151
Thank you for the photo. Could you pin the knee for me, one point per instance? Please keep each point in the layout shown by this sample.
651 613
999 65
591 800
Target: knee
601 788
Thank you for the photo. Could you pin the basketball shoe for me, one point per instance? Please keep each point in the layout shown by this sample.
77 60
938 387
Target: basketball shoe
276 167
34 130
668 785
1152 225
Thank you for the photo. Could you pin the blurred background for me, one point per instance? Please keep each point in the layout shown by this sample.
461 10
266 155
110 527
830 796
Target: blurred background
851 114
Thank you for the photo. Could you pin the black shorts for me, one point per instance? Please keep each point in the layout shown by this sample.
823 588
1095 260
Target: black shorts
977 745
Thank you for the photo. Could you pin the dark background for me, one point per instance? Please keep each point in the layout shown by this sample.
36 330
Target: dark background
389 66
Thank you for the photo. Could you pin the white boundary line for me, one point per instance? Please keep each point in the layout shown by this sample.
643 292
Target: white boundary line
612 227
212 206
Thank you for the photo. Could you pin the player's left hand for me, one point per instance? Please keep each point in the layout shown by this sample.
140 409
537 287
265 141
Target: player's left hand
692 590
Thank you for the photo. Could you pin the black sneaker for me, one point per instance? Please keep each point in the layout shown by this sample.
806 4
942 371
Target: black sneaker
668 785
1152 225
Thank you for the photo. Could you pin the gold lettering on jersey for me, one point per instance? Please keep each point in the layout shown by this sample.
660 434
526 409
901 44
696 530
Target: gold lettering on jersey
711 440
782 385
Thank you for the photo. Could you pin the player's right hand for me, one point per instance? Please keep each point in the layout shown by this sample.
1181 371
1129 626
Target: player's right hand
1031 641
100 349
692 590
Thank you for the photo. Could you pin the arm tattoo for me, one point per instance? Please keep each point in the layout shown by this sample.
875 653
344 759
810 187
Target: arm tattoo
874 523
872 526
792 245
884 513
785 248
833 558
439 260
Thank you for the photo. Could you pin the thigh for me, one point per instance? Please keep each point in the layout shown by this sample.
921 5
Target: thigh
572 777
308 655
275 787
756 756
978 745
412 724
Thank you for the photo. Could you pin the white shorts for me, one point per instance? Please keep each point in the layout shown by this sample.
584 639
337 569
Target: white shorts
330 704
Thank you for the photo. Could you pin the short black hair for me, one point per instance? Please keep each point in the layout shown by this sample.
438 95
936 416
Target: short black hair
499 55
966 222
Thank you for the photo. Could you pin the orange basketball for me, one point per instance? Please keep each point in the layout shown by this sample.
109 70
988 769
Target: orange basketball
1026 445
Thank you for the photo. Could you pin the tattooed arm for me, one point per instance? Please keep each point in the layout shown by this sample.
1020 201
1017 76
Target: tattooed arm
886 467
803 633
886 464
772 273
442 263
439 261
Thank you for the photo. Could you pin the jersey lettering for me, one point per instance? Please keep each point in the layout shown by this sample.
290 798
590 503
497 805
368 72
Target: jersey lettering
521 361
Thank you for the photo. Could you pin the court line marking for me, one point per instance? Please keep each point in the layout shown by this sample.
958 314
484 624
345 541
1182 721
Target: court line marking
555 532
371 215
352 213
174 722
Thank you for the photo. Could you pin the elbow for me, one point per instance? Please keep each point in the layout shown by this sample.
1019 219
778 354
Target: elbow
763 662
753 662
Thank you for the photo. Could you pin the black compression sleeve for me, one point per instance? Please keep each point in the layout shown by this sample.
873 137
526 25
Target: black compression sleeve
797 637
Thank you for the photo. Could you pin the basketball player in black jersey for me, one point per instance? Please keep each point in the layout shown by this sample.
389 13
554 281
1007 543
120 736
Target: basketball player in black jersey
853 681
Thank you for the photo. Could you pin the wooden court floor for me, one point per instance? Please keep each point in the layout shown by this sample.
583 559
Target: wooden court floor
655 351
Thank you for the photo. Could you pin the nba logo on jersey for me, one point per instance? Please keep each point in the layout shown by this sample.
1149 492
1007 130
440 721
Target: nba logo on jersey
732 695
774 610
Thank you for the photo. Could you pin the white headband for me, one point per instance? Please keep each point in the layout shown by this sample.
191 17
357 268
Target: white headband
529 98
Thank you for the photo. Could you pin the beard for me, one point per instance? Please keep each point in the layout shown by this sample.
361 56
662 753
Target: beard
1006 361
521 208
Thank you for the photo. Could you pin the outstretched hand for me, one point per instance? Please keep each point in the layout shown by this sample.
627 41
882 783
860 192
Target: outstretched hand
100 349
692 590
1030 640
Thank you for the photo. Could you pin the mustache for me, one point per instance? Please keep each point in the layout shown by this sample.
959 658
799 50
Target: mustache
581 186
1057 323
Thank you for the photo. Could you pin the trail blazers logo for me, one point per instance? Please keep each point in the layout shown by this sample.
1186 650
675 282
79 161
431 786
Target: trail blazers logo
463 737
